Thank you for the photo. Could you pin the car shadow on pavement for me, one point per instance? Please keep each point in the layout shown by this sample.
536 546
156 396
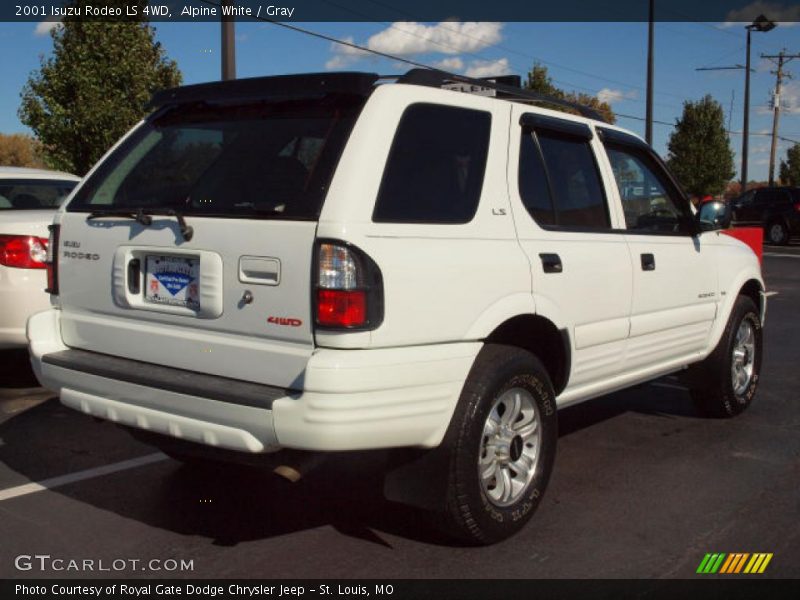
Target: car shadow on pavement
230 505
15 370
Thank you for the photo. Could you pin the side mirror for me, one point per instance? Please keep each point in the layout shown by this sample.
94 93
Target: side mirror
713 216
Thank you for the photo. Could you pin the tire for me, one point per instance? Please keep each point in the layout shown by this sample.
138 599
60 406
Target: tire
724 384
485 510
777 233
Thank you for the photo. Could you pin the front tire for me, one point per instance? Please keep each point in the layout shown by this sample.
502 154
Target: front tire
501 446
777 233
725 383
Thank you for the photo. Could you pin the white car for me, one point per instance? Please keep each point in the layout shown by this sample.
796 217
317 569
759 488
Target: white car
336 262
28 201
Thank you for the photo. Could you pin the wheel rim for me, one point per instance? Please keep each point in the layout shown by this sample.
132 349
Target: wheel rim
776 233
510 445
744 354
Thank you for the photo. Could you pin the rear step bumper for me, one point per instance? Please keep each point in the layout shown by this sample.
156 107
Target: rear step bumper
351 399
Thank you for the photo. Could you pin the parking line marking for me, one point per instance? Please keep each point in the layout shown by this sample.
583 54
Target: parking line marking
780 255
671 386
54 482
770 294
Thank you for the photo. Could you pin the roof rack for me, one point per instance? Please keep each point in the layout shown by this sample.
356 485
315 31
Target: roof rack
276 86
436 78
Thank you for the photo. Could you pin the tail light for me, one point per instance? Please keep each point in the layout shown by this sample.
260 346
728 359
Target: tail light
348 288
797 206
52 260
23 251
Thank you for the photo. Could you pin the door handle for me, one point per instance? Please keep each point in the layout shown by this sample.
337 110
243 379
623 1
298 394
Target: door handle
648 262
551 263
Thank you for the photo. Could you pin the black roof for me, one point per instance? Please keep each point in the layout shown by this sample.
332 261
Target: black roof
311 85
278 86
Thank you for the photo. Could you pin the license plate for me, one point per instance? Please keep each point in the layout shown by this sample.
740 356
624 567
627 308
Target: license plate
173 280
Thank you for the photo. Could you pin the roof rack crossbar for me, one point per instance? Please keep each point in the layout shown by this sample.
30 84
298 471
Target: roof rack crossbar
435 78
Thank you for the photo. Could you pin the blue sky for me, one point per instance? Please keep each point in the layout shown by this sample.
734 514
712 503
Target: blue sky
597 58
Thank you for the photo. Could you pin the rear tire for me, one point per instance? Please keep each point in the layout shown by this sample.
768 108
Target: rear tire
724 384
777 233
500 446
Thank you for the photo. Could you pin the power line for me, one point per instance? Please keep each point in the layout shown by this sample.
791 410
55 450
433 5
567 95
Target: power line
512 51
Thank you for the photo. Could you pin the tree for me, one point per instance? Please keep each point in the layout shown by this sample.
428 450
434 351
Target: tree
20 150
94 87
700 152
539 81
790 168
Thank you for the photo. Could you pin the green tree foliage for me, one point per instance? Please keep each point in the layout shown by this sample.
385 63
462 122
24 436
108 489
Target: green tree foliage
94 87
700 152
539 81
20 150
790 168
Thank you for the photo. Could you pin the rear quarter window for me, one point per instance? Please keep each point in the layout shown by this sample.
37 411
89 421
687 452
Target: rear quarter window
436 166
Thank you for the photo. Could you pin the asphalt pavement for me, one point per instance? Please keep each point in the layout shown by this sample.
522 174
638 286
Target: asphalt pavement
642 488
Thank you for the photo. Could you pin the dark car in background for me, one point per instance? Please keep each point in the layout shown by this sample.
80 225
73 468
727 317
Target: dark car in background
776 209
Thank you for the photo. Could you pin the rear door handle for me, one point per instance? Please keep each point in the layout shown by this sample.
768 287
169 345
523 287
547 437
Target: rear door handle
551 263
648 262
260 269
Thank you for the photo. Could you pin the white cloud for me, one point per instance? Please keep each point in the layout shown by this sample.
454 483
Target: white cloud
790 98
449 64
44 28
611 95
411 38
488 68
449 37
786 16
338 61
344 55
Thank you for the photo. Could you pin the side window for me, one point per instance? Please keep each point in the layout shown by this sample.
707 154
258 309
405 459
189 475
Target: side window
747 198
533 187
560 185
435 169
647 199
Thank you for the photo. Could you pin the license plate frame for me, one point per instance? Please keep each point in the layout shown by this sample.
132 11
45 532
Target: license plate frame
172 280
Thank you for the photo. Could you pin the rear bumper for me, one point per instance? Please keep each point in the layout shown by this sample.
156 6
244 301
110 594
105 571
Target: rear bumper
21 295
351 399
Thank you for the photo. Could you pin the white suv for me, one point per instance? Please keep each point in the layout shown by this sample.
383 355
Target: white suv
338 262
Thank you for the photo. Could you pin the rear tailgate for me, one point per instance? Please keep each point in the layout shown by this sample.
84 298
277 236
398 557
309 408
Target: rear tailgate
225 335
233 298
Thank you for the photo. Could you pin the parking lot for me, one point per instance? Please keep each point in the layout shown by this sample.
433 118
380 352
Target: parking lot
642 487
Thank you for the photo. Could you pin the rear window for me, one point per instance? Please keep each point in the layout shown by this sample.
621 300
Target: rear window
33 194
260 160
434 173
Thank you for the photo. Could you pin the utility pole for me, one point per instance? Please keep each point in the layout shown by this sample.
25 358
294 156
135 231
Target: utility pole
782 58
228 45
762 24
648 127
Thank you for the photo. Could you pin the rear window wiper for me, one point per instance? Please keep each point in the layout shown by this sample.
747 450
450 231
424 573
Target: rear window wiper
144 218
137 216
187 231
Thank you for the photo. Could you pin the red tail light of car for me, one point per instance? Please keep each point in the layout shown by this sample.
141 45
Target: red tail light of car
23 251
348 288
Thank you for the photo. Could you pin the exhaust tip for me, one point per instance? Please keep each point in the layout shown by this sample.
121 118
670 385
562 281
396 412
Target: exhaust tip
289 473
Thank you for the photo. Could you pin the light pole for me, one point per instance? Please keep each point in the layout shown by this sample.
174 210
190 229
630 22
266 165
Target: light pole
761 23
648 124
228 45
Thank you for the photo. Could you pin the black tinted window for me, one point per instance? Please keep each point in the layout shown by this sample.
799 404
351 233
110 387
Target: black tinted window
648 200
32 194
434 173
576 186
533 187
267 159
